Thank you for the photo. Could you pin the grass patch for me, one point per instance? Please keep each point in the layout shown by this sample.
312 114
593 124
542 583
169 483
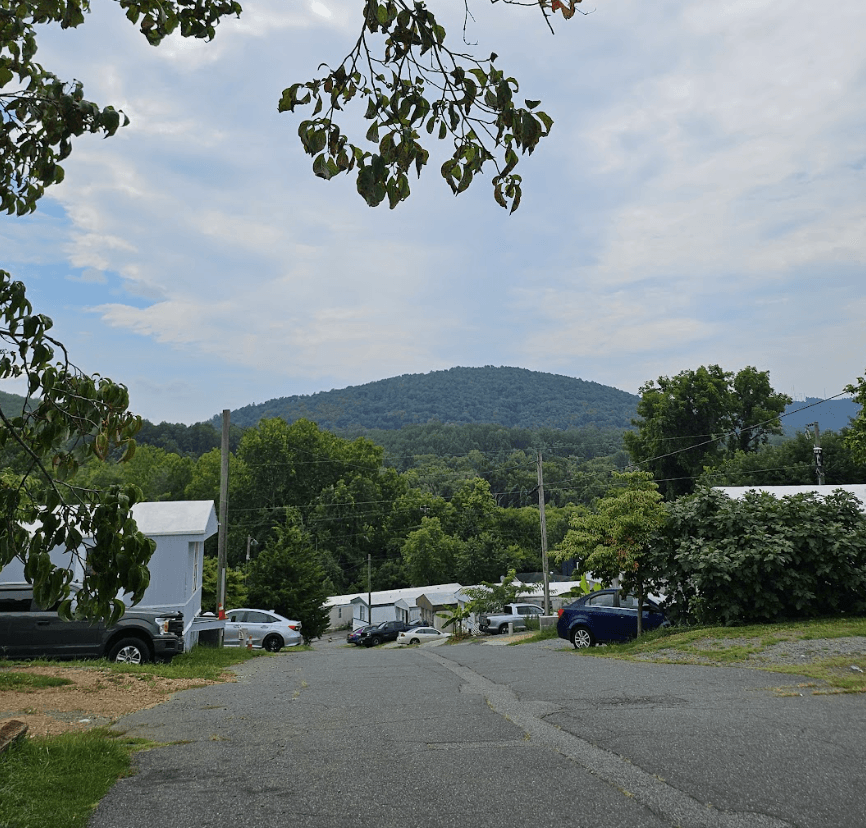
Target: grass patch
200 662
24 682
544 634
728 646
58 781
836 672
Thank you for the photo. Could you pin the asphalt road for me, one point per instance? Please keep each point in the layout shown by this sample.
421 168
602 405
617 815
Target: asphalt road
494 736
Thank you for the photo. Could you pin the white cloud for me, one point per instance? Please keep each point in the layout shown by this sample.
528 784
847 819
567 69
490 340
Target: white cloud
699 200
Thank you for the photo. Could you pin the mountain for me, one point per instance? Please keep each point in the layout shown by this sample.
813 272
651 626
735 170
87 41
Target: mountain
11 404
512 397
831 415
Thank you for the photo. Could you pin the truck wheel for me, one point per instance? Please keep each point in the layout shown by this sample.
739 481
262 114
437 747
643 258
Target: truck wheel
503 628
129 651
581 637
273 644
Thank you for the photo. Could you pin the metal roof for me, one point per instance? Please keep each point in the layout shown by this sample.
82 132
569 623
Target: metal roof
176 517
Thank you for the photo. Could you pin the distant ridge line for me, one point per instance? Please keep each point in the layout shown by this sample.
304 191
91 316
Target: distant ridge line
511 397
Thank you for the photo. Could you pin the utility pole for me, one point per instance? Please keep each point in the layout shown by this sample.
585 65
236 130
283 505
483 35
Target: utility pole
369 588
543 537
223 520
819 454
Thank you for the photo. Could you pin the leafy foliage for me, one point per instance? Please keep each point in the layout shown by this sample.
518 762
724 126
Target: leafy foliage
40 114
856 435
412 83
763 558
790 463
68 418
696 418
614 540
236 587
492 597
289 578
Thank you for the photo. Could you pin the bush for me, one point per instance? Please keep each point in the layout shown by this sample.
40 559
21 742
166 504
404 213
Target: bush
764 558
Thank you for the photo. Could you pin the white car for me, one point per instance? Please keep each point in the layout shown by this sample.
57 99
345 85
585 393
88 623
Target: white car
421 634
268 630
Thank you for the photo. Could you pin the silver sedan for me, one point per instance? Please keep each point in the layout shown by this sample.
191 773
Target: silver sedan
266 629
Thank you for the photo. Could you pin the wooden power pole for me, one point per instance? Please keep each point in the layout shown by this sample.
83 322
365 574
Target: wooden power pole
543 537
223 519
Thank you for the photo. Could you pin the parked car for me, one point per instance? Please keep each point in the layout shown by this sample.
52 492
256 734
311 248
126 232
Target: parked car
514 614
354 637
386 631
601 616
419 635
29 631
268 630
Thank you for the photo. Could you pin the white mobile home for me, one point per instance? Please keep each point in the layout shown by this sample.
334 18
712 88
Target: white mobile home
180 529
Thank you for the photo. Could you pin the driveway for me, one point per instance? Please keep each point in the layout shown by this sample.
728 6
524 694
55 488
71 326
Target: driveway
493 736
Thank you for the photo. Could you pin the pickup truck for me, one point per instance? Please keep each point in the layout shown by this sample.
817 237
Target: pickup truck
29 631
515 614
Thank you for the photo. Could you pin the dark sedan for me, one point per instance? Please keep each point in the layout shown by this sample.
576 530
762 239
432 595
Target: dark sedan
386 631
605 616
354 637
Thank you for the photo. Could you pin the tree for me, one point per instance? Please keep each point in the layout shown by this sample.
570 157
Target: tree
67 419
790 463
698 417
236 586
614 541
400 69
856 434
490 597
289 578
429 553
761 558
413 83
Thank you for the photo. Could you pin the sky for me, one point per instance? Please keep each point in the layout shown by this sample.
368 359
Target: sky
701 199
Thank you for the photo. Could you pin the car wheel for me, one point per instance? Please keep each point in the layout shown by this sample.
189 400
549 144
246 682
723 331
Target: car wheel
503 628
273 644
129 651
415 641
581 637
375 641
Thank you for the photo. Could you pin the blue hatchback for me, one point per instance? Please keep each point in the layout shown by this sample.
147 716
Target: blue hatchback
599 617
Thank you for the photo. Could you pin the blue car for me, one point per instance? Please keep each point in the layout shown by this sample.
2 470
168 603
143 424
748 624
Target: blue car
596 618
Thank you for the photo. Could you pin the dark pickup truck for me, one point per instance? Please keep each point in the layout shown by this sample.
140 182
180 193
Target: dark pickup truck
386 631
28 631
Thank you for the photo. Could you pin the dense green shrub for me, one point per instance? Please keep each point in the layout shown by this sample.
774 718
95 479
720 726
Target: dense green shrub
763 558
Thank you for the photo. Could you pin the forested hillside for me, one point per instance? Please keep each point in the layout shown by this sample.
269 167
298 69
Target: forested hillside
512 397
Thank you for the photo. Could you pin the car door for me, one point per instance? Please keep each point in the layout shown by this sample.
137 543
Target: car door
257 625
603 617
234 630
52 635
626 617
15 623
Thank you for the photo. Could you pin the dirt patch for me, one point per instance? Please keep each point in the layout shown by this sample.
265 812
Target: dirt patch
95 697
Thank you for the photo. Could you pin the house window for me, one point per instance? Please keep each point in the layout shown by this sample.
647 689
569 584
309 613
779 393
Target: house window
194 567
340 612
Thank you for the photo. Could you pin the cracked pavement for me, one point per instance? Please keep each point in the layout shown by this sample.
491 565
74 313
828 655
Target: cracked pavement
492 736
